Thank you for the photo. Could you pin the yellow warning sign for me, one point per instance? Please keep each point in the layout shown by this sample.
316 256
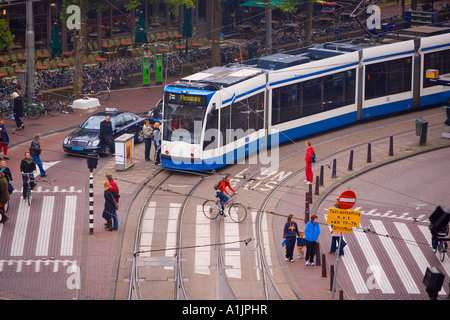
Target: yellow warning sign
343 220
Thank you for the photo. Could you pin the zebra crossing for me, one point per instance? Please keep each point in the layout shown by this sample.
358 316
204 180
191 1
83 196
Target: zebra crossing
390 261
42 231
205 237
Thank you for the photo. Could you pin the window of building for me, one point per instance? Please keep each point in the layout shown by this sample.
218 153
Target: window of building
439 61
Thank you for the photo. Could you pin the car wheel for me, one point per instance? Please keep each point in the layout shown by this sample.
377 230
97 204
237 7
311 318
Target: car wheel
139 136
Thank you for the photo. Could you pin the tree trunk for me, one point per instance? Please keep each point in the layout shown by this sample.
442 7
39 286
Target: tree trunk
215 48
268 18
309 22
80 49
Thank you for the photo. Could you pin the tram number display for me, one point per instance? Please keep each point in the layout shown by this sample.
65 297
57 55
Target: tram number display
181 98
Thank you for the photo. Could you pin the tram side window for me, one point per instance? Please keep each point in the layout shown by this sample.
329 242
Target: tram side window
225 124
388 77
211 130
436 60
313 96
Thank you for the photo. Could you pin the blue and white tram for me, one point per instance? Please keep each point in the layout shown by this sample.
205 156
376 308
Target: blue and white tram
220 115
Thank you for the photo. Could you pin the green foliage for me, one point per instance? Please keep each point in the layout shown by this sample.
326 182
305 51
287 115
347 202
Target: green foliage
6 37
288 6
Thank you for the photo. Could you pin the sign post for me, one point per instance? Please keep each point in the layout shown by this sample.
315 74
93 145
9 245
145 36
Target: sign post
343 220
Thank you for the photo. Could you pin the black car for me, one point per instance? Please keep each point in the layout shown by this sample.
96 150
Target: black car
85 138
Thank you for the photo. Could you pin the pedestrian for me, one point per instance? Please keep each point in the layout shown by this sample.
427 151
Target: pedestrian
110 206
335 236
222 192
35 150
312 231
27 166
309 161
147 130
106 134
114 188
301 243
4 140
18 108
290 233
157 142
4 197
7 173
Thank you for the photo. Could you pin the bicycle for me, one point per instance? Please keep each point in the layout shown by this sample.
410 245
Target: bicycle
236 211
28 185
441 247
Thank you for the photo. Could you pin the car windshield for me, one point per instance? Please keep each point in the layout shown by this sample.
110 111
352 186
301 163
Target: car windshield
93 123
183 117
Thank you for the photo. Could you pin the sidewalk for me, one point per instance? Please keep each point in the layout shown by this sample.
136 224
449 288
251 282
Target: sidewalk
307 281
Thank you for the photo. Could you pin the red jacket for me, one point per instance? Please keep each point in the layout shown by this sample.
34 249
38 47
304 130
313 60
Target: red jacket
309 154
114 188
223 187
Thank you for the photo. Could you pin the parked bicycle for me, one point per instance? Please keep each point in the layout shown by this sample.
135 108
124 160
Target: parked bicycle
236 211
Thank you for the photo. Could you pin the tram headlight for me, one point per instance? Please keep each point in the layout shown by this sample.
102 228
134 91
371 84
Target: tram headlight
195 150
164 146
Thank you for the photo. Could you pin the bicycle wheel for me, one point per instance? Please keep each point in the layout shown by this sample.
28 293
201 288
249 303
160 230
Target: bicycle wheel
54 108
103 93
6 114
210 209
237 212
441 250
32 111
29 195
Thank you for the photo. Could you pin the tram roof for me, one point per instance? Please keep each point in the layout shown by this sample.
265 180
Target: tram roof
215 78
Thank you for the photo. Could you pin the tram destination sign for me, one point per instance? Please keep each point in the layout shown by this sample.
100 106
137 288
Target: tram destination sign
190 99
343 220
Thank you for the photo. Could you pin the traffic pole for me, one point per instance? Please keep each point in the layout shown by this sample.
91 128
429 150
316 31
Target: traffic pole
337 264
91 202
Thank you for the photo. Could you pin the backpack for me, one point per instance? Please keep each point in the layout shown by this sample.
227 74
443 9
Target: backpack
314 157
216 186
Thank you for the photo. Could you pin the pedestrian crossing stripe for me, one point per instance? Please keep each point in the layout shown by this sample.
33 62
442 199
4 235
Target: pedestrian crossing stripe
23 238
375 274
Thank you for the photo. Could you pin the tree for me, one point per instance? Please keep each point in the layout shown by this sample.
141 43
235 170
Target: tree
6 37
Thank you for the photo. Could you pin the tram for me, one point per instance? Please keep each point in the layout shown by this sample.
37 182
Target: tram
221 115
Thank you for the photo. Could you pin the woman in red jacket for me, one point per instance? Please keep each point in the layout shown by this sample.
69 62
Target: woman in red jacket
222 191
309 160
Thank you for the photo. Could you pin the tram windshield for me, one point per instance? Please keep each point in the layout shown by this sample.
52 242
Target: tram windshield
183 117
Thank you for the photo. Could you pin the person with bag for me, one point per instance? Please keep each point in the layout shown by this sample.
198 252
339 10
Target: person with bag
309 158
290 234
157 142
110 206
35 150
114 188
18 108
222 193
147 130
4 140
4 197
312 231
7 173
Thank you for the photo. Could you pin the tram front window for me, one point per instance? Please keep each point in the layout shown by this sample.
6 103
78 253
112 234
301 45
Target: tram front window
183 122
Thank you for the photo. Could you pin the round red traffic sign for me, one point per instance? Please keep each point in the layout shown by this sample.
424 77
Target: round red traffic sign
347 199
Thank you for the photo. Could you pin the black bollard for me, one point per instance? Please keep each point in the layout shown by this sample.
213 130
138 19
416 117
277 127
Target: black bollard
331 277
369 152
306 211
341 294
316 191
318 262
333 172
324 266
350 161
391 146
310 194
321 175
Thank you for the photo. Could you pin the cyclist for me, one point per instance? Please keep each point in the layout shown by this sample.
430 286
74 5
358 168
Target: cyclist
27 166
222 193
441 234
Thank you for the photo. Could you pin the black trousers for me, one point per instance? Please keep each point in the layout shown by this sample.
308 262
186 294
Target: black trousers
310 251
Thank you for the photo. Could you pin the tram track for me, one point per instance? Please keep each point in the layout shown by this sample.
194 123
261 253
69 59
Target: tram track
227 288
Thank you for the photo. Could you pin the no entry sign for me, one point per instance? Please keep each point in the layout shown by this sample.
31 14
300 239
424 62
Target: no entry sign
347 199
